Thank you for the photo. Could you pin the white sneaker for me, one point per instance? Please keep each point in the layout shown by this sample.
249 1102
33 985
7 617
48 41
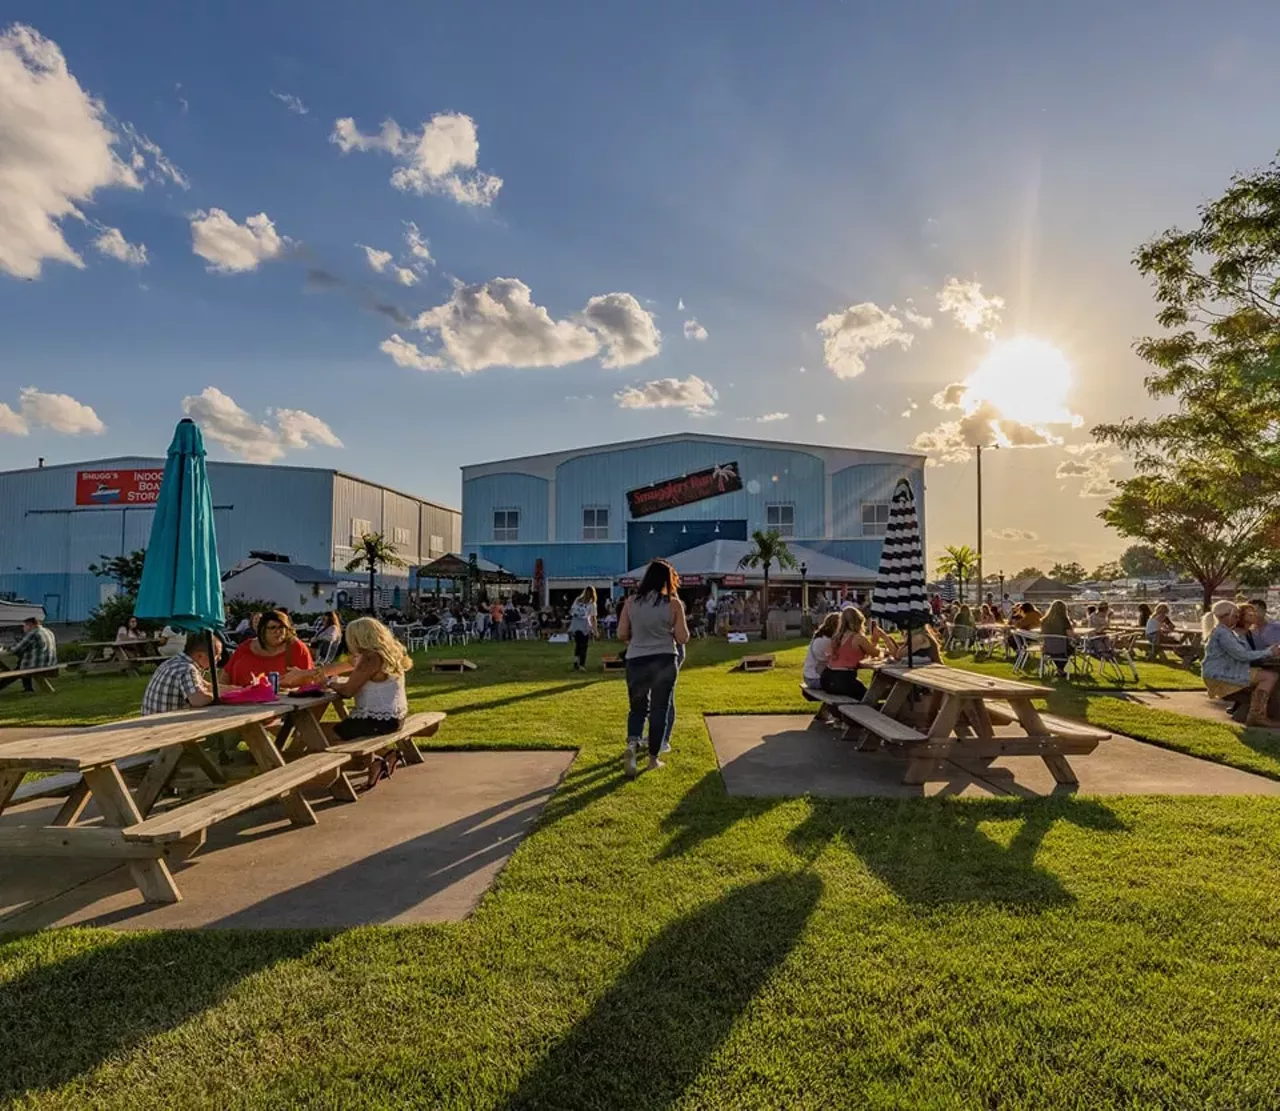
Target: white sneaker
666 747
655 763
630 764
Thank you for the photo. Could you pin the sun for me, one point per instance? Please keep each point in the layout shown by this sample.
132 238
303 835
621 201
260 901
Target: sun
1026 379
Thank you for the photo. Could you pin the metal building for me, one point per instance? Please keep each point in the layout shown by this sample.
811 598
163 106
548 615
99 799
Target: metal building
590 514
55 521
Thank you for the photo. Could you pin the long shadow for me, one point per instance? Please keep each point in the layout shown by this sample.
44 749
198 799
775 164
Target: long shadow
650 1035
707 811
933 853
64 1018
495 703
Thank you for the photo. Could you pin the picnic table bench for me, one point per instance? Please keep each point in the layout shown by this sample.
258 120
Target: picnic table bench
43 676
125 656
935 713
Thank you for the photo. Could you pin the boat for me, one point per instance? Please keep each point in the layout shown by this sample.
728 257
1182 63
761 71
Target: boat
15 613
104 494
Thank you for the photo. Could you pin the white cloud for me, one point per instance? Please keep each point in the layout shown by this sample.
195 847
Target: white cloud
58 411
626 330
951 396
1093 465
376 259
406 354
1013 535
849 335
293 103
56 152
112 243
147 158
965 302
915 319
11 423
821 418
417 245
232 248
441 158
224 422
680 304
983 423
691 393
769 418
404 275
694 330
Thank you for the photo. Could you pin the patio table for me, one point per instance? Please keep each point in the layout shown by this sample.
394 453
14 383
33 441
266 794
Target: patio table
121 655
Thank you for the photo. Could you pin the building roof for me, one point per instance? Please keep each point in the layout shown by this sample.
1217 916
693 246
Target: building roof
454 565
298 572
1040 584
728 441
721 557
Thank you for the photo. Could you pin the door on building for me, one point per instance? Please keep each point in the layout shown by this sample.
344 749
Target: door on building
52 608
659 539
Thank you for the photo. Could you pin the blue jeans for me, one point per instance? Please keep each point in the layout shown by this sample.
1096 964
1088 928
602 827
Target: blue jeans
671 706
650 682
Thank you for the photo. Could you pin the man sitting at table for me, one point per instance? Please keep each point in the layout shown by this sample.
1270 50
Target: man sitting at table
179 683
35 650
1265 632
1231 668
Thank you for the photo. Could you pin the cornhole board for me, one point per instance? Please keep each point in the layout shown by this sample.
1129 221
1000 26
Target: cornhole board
755 663
453 665
613 663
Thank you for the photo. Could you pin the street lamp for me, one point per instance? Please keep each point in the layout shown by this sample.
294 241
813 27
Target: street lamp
995 447
804 587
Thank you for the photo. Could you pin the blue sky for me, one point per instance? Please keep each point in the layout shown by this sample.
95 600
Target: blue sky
769 167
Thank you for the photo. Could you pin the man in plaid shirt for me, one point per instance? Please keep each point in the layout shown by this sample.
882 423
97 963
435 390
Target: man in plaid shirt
179 682
36 649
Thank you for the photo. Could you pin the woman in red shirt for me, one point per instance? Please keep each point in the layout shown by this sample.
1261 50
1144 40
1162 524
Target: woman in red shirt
275 648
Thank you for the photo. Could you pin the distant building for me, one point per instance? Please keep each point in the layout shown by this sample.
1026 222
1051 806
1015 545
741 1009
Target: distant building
1038 589
589 515
290 586
55 521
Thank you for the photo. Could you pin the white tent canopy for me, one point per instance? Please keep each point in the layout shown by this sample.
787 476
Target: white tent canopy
721 557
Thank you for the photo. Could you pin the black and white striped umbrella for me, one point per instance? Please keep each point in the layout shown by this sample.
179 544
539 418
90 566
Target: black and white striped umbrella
947 589
899 596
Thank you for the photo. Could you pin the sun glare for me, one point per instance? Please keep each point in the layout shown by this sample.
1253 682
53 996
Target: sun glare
1026 379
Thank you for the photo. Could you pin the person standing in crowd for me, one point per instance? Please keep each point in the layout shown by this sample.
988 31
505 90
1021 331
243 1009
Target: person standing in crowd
35 650
651 625
710 611
582 626
815 659
179 682
276 647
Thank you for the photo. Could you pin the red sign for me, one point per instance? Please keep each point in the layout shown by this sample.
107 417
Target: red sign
723 478
734 580
690 580
118 487
628 580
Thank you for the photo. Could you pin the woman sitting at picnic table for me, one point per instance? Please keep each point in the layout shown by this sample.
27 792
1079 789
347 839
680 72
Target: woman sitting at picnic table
1163 633
1226 667
276 647
815 659
1057 623
926 648
327 639
376 682
130 631
849 647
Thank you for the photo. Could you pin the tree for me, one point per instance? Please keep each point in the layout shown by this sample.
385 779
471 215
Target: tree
768 548
372 552
1206 494
1108 572
1142 561
958 562
1030 573
126 570
1069 573
1203 516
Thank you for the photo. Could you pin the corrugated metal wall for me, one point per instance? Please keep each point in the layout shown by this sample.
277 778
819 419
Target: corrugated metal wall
868 482
527 493
386 511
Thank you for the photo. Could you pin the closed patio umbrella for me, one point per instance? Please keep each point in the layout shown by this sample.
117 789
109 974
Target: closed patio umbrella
899 595
181 582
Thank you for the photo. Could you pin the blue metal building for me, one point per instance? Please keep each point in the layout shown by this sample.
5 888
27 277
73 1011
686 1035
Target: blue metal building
571 508
56 520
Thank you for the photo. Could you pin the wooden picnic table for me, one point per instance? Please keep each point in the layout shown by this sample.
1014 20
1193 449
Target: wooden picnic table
121 655
127 831
956 719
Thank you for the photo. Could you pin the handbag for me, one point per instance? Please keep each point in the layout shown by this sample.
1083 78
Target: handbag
257 691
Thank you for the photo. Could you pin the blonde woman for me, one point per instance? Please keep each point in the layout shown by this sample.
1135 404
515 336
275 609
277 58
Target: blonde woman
849 647
582 626
376 682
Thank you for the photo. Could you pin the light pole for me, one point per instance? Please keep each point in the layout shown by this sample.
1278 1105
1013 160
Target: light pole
997 448
804 596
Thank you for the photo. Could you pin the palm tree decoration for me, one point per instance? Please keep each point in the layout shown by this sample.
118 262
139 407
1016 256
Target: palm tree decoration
373 552
959 562
769 549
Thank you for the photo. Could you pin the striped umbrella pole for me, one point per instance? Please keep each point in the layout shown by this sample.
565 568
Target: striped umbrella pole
899 597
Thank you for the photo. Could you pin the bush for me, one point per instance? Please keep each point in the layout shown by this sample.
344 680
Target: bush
108 617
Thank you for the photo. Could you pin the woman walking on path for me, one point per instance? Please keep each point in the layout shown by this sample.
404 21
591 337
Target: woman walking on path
582 626
652 625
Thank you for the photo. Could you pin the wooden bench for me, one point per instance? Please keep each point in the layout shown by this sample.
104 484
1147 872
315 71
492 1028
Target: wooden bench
755 663
1001 713
54 786
453 665
827 703
612 663
43 676
423 724
862 717
1072 730
183 822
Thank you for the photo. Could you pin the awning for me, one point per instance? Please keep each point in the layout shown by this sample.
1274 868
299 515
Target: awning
455 566
720 558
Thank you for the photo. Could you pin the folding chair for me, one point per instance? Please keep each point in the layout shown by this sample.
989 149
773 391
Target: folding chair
1061 653
1025 650
416 638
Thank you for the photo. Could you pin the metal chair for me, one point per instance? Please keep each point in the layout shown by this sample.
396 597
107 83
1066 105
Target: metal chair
1025 649
1061 653
416 638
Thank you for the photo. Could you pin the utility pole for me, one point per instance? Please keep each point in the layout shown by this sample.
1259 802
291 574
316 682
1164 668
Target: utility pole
979 524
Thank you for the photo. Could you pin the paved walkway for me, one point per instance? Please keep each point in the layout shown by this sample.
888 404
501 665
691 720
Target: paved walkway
423 846
1192 704
792 755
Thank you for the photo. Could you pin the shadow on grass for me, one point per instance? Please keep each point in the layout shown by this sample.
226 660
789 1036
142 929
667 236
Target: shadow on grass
933 853
707 811
496 703
651 1034
64 1018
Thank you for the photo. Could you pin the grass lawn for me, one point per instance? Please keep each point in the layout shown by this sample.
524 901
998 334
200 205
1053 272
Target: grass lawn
658 944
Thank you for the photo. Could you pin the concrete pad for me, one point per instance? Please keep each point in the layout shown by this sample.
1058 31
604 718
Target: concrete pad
1192 704
792 755
423 846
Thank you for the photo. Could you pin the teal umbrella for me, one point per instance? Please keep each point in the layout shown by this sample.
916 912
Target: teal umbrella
181 582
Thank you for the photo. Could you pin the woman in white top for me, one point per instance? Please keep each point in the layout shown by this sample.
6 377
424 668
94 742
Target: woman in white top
582 626
815 660
376 682
130 631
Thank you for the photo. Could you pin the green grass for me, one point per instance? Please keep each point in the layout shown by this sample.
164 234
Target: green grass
657 943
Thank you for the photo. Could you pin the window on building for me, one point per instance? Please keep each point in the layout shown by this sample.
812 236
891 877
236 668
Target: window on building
436 546
359 527
782 518
875 518
595 524
402 538
506 524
